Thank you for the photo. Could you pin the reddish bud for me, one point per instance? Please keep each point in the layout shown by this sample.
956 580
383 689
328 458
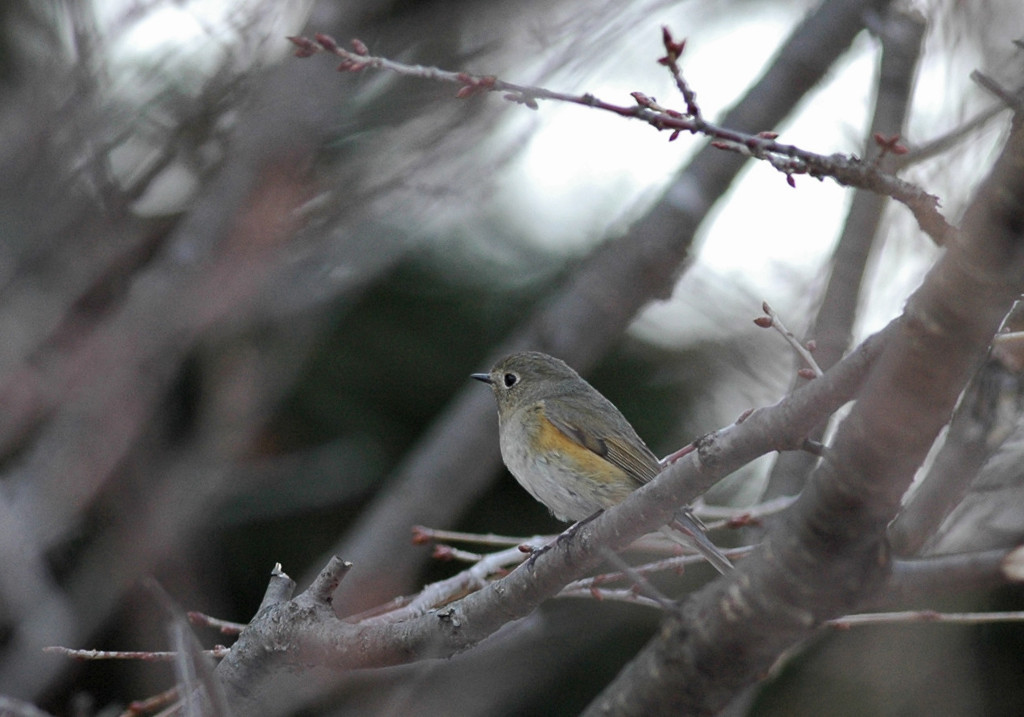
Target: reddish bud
742 520
720 144
811 346
307 48
674 113
806 373
326 41
790 181
641 99
673 48
525 548
442 552
674 136
474 84
360 47
768 135
766 307
419 535
765 322
596 594
890 144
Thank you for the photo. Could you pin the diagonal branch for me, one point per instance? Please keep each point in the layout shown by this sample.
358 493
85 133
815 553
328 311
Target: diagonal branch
787 158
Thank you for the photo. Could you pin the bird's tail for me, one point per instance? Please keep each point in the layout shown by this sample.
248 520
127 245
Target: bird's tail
687 530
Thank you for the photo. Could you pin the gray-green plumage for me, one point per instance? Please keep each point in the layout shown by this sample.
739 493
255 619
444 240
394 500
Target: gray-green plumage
571 448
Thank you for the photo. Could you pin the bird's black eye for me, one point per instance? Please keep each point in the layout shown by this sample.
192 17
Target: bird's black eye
510 380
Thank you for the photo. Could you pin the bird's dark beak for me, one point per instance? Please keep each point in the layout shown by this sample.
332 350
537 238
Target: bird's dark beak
485 377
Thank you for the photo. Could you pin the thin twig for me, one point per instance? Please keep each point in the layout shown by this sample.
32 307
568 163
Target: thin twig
141 655
150 704
734 517
673 50
772 320
422 534
941 144
675 563
1010 98
225 627
627 595
786 158
440 593
909 616
641 585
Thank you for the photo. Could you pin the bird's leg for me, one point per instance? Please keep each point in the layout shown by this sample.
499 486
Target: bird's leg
536 553
566 534
569 532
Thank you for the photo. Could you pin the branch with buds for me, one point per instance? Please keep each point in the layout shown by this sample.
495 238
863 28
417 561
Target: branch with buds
790 160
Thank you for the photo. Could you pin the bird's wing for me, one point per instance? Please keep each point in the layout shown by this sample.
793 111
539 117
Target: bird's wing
622 448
